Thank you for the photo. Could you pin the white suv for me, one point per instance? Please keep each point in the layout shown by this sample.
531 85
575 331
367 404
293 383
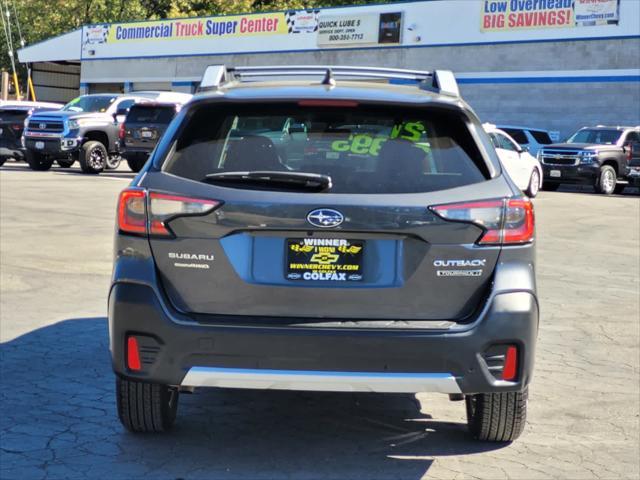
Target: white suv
532 138
523 168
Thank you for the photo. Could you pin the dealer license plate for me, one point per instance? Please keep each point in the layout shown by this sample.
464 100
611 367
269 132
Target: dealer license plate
555 173
39 145
324 260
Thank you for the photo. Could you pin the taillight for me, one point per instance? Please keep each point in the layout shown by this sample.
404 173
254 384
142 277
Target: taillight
163 207
629 152
505 221
132 211
121 131
141 212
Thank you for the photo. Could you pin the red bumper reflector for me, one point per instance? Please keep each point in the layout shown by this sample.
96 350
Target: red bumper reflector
133 354
510 364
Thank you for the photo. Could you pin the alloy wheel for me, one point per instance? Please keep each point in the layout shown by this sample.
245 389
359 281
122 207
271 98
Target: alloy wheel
608 181
96 159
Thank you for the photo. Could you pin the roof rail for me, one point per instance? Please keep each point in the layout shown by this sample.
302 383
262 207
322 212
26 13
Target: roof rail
439 81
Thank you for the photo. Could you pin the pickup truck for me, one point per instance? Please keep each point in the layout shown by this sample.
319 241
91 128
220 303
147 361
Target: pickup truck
606 157
85 129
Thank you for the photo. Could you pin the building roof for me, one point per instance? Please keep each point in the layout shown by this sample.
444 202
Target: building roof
65 47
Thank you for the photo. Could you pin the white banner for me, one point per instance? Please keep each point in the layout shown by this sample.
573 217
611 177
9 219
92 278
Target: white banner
596 12
354 29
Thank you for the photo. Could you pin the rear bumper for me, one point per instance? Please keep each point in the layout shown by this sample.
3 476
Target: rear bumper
177 351
581 174
634 177
127 149
314 380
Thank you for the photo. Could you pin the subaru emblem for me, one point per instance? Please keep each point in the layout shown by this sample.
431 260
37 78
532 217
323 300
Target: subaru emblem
325 218
42 126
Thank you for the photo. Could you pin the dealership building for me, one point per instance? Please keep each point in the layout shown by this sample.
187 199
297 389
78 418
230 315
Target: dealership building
553 64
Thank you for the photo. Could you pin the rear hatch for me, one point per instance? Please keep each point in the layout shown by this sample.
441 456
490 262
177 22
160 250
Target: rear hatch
289 242
145 124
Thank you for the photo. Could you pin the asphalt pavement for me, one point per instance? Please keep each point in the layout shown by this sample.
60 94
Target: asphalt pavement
58 418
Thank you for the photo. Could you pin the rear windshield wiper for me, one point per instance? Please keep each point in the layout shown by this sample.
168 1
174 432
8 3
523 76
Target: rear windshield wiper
267 180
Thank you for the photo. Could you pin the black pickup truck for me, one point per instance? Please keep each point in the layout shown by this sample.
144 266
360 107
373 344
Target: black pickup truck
606 157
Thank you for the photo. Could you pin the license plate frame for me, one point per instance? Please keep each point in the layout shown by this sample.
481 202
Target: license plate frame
39 145
321 260
555 173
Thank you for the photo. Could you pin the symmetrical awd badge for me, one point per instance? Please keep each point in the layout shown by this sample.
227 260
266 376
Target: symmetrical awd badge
325 217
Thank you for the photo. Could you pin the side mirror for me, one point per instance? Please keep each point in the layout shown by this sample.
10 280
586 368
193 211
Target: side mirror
523 149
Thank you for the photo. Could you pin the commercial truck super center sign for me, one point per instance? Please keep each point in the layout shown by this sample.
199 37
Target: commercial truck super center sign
198 28
522 14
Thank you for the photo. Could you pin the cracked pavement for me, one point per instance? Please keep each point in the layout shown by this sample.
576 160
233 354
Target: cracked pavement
58 418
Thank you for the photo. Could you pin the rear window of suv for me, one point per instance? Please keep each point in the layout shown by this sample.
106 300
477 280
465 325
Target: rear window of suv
13 115
518 135
151 114
541 137
363 150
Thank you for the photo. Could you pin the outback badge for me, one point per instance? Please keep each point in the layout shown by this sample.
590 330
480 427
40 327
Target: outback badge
325 218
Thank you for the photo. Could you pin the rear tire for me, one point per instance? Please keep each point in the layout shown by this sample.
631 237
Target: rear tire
146 407
136 162
113 162
64 163
606 182
2 160
497 417
93 157
534 184
38 162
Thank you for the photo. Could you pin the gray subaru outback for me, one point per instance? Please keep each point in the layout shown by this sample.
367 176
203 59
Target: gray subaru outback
318 228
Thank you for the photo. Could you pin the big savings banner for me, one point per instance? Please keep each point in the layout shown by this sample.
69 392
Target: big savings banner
508 15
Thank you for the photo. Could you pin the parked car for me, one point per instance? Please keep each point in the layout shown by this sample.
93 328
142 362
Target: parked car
397 258
142 129
85 129
524 169
531 138
12 119
605 157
